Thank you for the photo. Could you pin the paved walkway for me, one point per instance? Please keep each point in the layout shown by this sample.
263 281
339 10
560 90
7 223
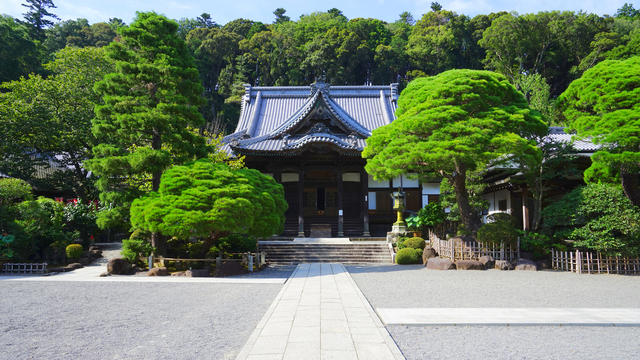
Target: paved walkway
320 314
511 316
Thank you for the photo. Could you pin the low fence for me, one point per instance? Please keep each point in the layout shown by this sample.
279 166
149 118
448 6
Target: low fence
445 228
248 259
459 250
590 263
25 268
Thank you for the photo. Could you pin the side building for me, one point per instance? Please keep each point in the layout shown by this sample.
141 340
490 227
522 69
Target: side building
310 139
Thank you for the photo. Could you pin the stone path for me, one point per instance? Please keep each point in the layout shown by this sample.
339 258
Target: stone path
320 314
511 316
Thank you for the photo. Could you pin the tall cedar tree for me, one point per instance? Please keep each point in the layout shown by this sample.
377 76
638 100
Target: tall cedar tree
150 101
36 17
450 124
604 104
209 200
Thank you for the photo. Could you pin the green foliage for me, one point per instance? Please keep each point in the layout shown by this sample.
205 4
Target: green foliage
62 104
18 54
134 248
236 243
597 217
12 190
36 17
449 125
74 251
497 232
415 243
5 240
537 244
81 218
430 216
149 102
503 217
209 200
604 105
475 188
408 256
420 252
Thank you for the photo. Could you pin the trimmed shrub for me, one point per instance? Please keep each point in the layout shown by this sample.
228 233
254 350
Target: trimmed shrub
420 251
132 249
415 243
74 251
496 232
503 217
408 256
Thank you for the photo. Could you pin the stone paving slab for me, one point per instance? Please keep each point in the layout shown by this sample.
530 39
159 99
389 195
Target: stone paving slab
320 314
511 316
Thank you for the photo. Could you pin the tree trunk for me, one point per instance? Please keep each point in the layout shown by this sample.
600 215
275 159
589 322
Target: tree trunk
630 186
159 241
467 217
213 237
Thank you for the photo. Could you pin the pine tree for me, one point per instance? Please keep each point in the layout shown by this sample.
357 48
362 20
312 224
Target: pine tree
36 17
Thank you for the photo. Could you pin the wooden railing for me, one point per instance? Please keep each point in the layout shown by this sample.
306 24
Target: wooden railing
25 268
460 250
590 263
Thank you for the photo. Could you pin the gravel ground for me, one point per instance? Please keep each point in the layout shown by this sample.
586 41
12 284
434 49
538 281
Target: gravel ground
66 320
412 286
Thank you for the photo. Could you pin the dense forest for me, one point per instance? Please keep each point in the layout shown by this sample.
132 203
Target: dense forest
541 53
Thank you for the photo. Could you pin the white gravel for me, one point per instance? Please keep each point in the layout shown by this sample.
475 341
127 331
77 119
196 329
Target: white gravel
412 286
126 320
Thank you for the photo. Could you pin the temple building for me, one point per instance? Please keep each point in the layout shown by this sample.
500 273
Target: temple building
310 139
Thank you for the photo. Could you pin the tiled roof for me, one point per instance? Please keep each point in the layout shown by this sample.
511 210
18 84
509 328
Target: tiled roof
557 134
269 113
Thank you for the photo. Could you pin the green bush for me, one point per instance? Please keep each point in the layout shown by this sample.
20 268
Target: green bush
419 251
597 217
401 242
408 256
503 217
133 248
415 243
74 251
496 232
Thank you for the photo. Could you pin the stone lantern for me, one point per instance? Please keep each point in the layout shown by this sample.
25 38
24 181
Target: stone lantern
399 204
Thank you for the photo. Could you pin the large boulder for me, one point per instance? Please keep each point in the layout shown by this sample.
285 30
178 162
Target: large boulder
428 253
525 264
230 268
159 271
487 261
179 273
504 265
469 265
75 266
118 267
197 273
440 264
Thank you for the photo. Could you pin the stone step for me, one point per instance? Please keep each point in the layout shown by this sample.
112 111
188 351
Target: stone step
347 253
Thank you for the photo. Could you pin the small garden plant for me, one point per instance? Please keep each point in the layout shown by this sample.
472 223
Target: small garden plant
74 251
408 256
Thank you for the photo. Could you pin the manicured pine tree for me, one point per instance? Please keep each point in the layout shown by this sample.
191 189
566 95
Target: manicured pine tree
150 102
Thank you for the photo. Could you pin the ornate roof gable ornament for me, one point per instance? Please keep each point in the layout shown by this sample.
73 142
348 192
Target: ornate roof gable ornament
319 128
320 85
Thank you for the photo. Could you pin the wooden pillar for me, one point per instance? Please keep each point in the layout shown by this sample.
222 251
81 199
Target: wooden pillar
340 207
525 208
277 175
301 202
364 180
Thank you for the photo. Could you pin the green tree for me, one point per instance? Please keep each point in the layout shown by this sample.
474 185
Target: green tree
18 54
149 103
211 201
604 105
598 217
447 126
46 122
627 11
280 16
37 16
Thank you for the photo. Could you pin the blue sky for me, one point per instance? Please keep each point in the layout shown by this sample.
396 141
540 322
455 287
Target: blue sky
225 11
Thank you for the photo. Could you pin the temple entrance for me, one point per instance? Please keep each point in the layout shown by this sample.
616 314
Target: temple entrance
320 202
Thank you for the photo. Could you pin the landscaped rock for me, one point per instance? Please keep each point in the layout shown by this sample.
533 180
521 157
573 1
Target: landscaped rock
95 254
94 247
75 266
197 273
487 261
525 264
179 273
58 270
504 265
118 267
159 271
469 265
85 261
440 264
543 264
104 274
230 268
428 253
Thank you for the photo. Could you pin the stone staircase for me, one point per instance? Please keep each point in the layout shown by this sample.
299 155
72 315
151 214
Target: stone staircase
309 251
